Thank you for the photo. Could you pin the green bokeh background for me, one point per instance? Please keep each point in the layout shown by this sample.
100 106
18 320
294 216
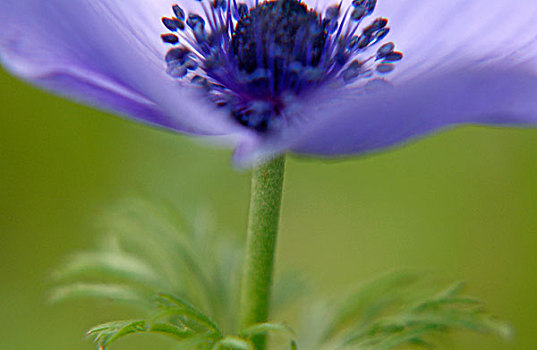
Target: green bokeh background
462 203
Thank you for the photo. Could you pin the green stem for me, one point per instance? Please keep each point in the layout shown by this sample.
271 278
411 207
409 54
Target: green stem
265 203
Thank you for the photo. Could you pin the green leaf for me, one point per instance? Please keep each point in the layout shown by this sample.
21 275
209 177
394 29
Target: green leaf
450 296
393 314
119 293
233 343
265 328
370 300
107 333
170 329
199 341
269 328
182 307
152 251
112 265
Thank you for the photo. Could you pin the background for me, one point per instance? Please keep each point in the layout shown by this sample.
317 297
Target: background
461 203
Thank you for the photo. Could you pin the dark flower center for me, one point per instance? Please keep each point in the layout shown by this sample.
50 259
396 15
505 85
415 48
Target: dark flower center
282 36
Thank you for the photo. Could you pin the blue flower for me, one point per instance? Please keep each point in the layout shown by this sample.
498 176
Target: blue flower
320 78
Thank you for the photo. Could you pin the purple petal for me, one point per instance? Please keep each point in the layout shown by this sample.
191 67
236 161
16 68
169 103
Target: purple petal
385 119
465 62
106 53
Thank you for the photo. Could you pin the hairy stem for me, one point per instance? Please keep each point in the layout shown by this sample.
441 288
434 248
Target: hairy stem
265 203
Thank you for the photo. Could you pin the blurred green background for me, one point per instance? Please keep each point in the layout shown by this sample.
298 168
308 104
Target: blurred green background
462 203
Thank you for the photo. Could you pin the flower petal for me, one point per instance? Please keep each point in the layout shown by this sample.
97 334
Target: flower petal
479 97
465 62
106 53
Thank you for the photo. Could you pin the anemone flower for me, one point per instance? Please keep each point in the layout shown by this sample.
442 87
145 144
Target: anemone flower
309 77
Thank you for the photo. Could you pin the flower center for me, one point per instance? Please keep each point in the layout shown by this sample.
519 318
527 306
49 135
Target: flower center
282 37
256 62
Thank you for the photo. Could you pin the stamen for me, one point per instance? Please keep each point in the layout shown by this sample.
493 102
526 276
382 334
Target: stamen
332 12
368 6
385 68
195 20
169 38
173 24
278 32
256 61
352 72
385 50
179 13
178 55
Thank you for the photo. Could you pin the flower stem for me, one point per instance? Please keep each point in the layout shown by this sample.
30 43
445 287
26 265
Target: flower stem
265 203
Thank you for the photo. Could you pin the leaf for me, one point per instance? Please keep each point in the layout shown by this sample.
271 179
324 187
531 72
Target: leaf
269 328
170 329
182 307
265 328
233 343
398 317
199 341
195 262
113 292
113 265
371 299
451 295
107 333
152 251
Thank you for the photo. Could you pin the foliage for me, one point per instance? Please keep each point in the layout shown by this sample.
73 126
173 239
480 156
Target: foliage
185 275
395 312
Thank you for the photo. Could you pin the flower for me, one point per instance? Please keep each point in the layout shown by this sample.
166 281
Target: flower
324 78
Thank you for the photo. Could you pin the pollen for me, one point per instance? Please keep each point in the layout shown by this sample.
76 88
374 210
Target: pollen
254 60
